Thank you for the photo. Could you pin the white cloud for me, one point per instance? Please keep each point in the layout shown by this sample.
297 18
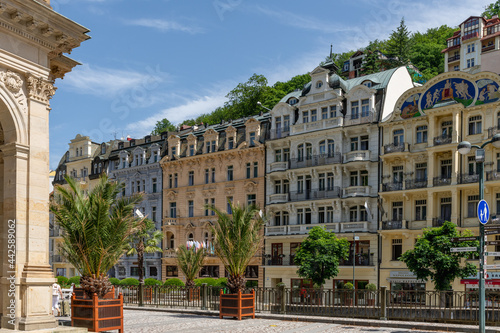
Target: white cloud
165 26
107 82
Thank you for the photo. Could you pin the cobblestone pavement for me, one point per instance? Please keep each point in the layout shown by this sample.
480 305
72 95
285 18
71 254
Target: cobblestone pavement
159 322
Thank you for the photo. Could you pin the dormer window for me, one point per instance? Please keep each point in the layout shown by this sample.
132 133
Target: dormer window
120 145
319 84
191 150
293 101
230 143
148 139
367 84
81 151
174 151
252 139
132 142
211 146
103 148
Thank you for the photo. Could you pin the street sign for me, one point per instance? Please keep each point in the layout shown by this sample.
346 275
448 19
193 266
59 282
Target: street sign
493 243
492 254
483 211
492 266
464 239
463 249
493 226
492 232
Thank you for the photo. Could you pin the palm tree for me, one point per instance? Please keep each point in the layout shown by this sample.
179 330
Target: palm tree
96 229
190 261
146 240
238 237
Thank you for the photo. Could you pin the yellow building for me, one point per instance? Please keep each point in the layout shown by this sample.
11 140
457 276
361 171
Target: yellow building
425 181
210 165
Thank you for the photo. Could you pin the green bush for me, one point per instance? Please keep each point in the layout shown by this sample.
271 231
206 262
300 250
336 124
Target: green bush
371 286
152 282
114 281
75 280
252 284
208 281
129 282
62 281
348 285
221 282
174 282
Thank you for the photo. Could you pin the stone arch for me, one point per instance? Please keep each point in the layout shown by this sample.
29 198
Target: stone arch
11 119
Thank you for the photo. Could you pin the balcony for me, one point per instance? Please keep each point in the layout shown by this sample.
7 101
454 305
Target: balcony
442 140
361 226
362 118
415 183
357 155
329 193
356 191
315 160
317 125
170 253
471 35
394 225
392 187
454 58
276 230
442 181
170 221
278 197
491 30
299 229
488 48
465 178
58 259
492 175
279 260
438 221
395 148
362 259
278 133
492 131
55 232
278 166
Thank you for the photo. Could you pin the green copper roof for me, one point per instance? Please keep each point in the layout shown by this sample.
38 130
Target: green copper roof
296 94
381 79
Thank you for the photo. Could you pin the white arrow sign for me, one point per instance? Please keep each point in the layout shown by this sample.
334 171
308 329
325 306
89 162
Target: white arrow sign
463 249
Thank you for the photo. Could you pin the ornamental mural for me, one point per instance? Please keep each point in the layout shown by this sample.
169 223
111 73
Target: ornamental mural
488 91
449 91
410 109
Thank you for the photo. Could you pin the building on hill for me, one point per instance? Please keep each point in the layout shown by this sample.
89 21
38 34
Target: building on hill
425 181
322 169
211 165
353 67
474 47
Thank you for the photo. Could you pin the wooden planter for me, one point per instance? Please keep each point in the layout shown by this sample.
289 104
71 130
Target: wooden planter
97 314
237 305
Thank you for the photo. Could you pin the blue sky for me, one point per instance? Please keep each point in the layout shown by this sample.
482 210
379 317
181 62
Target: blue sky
152 59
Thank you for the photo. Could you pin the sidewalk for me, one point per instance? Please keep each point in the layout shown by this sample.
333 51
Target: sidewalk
445 327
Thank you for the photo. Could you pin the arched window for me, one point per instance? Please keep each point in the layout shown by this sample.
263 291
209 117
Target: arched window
95 168
171 241
319 84
191 237
322 148
330 148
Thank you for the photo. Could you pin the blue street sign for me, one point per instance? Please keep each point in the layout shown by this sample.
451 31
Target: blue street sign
483 211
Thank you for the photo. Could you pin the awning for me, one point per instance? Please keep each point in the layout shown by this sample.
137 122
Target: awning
474 283
395 280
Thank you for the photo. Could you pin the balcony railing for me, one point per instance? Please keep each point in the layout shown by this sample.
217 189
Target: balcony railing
392 187
488 48
415 183
394 148
317 125
278 166
357 155
58 258
441 181
471 35
278 197
438 221
300 229
492 131
315 160
278 133
170 221
360 226
393 225
362 259
328 193
354 191
55 232
465 178
492 175
360 118
454 58
442 140
491 30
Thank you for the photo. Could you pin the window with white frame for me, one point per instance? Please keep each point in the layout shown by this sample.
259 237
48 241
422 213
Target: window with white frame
354 109
314 115
286 154
305 117
446 168
470 62
472 201
354 144
322 181
324 113
333 111
325 214
422 134
191 178
397 211
471 48
329 181
319 84
173 209
365 107
191 150
420 210
475 125
286 123
252 139
363 141
300 184
277 155
397 174
354 178
398 137
472 165
230 143
363 178
300 152
251 199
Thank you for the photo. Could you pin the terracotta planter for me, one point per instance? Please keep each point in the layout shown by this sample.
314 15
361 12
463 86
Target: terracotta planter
97 314
237 305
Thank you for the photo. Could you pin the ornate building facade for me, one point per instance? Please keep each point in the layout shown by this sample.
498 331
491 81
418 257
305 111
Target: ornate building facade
34 40
210 165
425 181
323 170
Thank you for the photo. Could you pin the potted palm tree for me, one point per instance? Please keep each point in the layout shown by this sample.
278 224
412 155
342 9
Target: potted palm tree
97 228
237 238
190 260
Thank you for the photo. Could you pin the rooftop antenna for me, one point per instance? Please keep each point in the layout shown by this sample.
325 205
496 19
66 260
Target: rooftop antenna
331 51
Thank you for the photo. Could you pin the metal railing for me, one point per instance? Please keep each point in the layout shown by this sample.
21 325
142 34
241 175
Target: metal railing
441 181
280 260
392 187
454 58
328 193
492 131
465 178
415 183
315 160
442 140
492 175
393 225
394 148
461 307
278 133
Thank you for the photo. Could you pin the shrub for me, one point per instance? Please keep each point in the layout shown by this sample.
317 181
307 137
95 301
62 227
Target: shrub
252 284
129 282
371 286
221 282
75 280
348 285
62 281
174 282
152 282
208 281
114 281
279 284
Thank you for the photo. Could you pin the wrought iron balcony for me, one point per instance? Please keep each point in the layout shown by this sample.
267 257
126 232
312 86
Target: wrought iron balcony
438 221
55 232
442 140
465 178
454 58
315 160
492 131
442 181
362 259
328 193
488 48
394 148
360 118
415 183
393 225
492 175
278 133
279 260
392 187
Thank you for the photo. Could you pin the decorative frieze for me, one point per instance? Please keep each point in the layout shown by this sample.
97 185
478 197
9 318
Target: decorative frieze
39 89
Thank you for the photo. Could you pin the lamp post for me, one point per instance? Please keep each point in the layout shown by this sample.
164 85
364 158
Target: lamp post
464 148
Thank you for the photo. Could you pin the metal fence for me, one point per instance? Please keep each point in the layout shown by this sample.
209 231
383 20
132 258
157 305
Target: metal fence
429 306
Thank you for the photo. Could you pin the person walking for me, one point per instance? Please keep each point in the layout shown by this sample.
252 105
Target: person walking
56 294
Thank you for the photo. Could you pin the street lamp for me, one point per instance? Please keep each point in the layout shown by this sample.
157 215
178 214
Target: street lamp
262 106
464 148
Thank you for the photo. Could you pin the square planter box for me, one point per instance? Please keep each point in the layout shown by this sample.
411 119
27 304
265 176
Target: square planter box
237 305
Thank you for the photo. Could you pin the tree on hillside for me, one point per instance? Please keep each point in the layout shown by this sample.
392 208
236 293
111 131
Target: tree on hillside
242 100
491 9
163 125
319 255
339 59
431 256
371 62
398 45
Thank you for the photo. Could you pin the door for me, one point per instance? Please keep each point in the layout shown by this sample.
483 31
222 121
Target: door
308 187
446 211
277 254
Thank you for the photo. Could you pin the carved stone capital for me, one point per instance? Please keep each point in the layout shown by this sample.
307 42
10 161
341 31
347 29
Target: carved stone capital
39 89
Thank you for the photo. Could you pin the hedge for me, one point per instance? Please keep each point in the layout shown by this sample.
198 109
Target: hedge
114 281
152 282
62 280
129 282
174 282
75 280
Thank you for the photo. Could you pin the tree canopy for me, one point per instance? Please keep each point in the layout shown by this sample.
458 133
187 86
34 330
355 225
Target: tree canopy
163 125
431 257
399 46
491 9
319 255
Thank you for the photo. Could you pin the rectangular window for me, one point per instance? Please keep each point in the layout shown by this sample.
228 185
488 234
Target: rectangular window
329 214
277 155
498 205
212 203
397 211
305 117
472 165
300 216
138 186
420 210
213 175
207 211
154 185
230 143
143 185
134 271
229 173
229 201
190 208
300 184
208 147
421 172
422 134
364 142
354 144
170 181
397 174
355 110
252 139
255 169
249 171
173 210
324 113
475 125
207 176
446 169
191 178
365 107
333 111
397 248
314 116
354 178
321 214
175 180
286 154
398 137
209 271
213 146
153 213
472 202
191 150
251 199
363 177
322 181
174 152
171 271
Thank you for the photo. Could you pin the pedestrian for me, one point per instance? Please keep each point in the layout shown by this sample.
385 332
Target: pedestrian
56 294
